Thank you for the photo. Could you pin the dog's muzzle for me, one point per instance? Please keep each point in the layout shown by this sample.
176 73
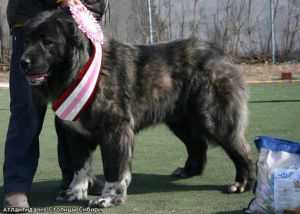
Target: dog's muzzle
36 79
33 77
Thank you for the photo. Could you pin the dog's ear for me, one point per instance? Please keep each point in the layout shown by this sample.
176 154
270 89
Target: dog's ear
70 29
98 7
76 36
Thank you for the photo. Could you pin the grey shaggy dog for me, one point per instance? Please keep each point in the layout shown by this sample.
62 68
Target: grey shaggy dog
190 86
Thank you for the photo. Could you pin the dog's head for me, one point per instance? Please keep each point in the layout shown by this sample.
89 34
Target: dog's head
45 46
54 47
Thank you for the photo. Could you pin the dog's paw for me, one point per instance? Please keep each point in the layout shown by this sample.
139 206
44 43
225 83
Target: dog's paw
113 194
73 194
239 187
179 173
77 194
106 202
183 173
61 197
96 185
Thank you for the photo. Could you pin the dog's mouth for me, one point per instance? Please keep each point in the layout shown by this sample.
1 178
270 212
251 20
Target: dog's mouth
37 78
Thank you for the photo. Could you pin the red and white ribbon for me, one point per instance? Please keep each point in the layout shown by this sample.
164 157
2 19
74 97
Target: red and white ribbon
81 91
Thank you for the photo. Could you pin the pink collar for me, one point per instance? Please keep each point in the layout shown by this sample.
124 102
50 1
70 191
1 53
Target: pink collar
79 95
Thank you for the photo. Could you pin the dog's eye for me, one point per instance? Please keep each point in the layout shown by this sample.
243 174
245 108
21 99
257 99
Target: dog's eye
47 42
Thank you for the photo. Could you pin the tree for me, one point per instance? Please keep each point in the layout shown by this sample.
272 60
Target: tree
4 33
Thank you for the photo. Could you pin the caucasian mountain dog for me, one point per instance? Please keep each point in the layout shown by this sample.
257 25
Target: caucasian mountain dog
188 85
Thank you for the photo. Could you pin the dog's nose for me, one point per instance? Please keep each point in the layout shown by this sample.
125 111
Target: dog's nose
25 64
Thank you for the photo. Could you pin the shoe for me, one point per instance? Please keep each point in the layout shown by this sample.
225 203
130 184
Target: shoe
15 202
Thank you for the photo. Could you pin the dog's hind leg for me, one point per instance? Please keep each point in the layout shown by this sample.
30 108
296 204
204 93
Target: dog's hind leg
229 132
239 152
227 111
196 145
117 149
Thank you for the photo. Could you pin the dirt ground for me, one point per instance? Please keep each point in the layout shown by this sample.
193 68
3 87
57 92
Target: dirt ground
269 72
255 72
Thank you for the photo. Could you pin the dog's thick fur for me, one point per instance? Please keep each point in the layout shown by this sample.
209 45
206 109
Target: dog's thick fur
188 85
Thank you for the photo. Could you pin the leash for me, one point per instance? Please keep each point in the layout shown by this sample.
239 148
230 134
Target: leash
81 92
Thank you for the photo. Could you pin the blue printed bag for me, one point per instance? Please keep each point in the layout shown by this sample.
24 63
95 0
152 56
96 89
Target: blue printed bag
278 176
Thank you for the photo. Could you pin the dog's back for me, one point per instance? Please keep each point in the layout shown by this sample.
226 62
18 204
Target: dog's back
166 81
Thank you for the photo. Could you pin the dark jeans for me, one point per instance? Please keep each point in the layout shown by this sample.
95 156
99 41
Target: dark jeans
25 124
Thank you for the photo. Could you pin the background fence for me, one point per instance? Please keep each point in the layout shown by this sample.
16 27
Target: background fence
240 27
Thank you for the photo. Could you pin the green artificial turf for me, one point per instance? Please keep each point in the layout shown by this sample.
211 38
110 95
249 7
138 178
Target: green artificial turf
274 110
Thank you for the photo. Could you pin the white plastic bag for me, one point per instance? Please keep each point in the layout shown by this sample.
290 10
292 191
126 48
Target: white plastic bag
278 176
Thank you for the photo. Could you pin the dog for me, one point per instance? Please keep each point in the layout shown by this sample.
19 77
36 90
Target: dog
189 85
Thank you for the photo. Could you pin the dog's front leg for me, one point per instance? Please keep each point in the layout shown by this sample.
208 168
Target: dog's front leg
78 188
117 149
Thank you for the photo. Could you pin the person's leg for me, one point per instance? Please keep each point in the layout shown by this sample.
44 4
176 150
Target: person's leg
26 119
